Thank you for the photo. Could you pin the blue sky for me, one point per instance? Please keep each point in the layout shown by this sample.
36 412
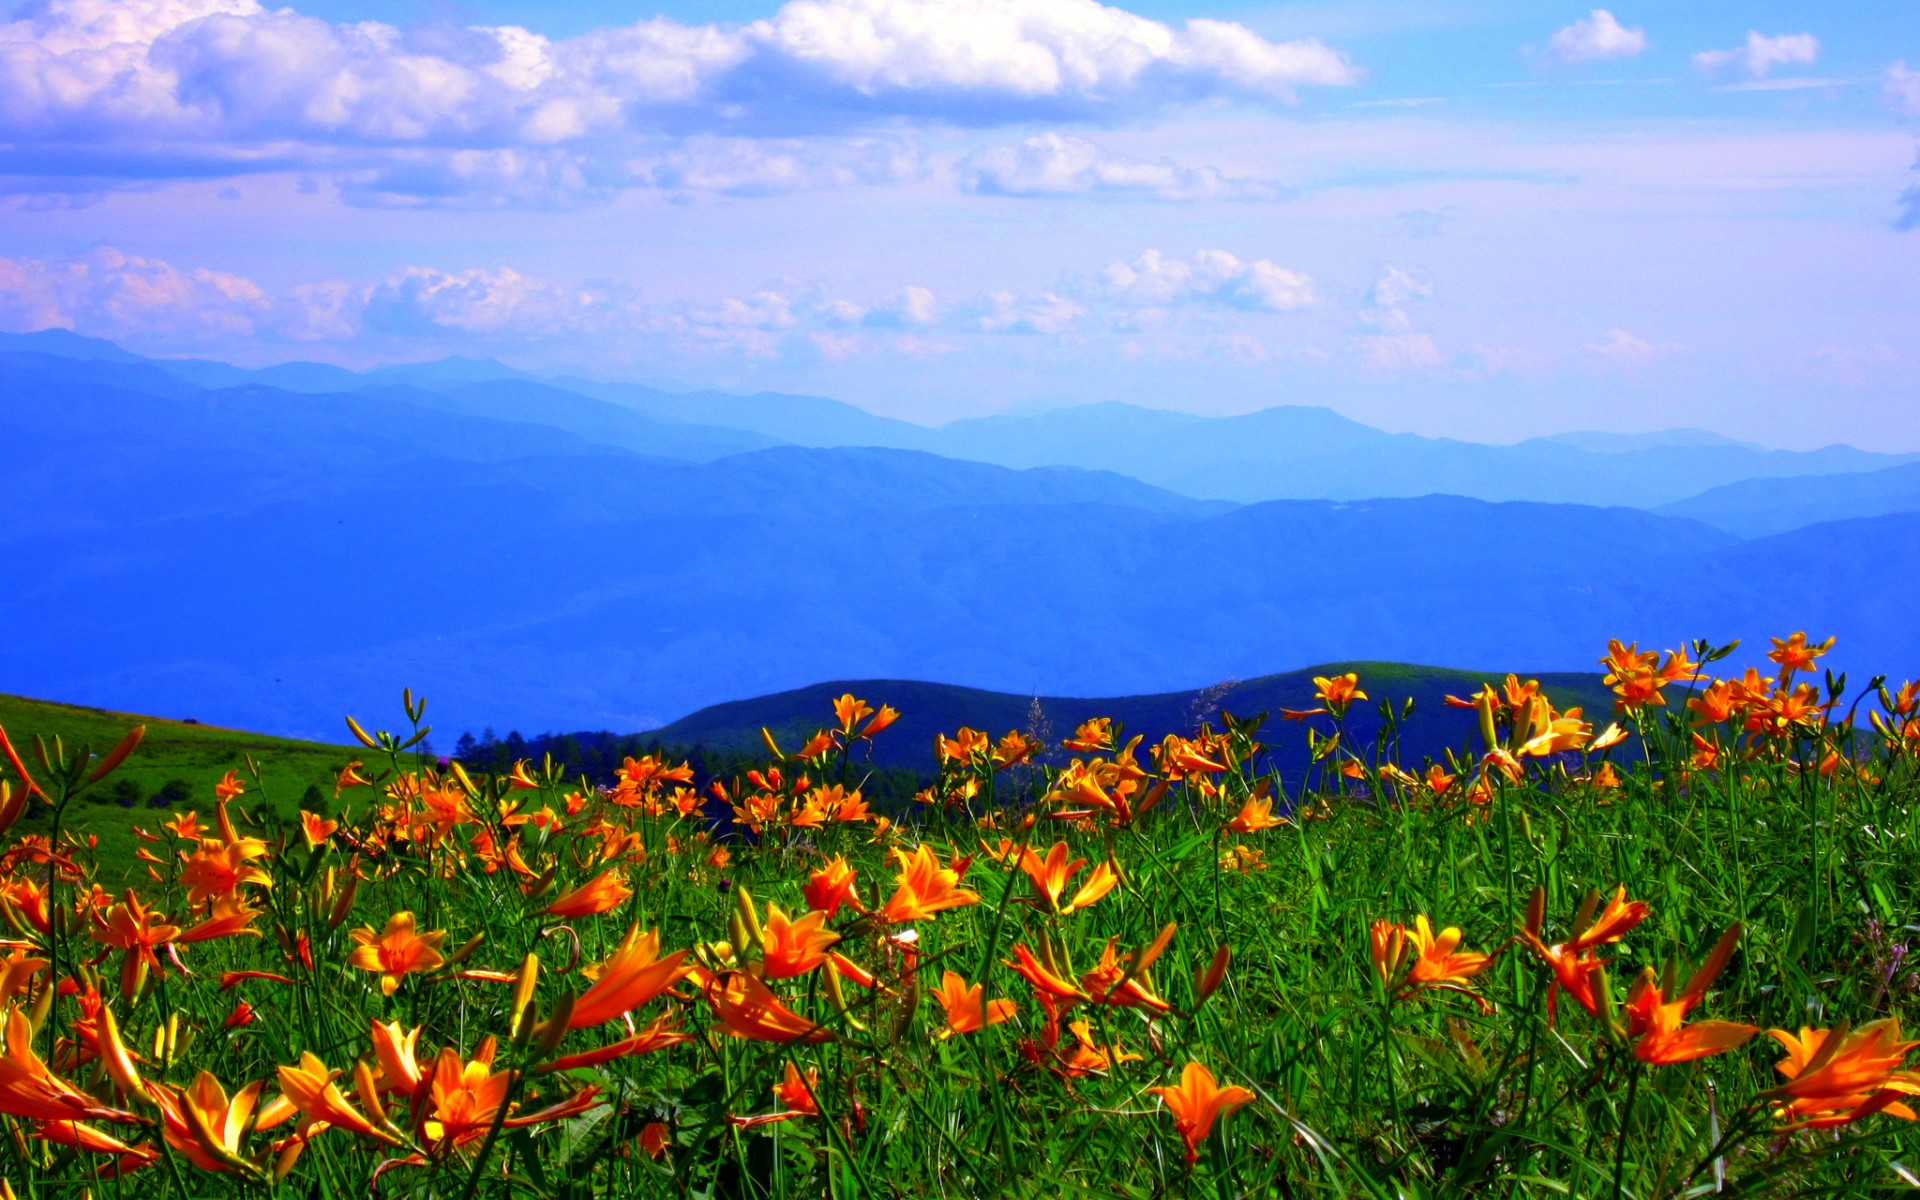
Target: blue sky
1482 220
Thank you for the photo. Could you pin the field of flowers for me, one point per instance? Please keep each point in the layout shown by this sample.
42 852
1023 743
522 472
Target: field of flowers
1658 952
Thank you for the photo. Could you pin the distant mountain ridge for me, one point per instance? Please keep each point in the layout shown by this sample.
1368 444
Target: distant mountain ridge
537 558
1286 452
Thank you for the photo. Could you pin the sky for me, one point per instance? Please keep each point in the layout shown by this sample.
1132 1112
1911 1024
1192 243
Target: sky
1482 220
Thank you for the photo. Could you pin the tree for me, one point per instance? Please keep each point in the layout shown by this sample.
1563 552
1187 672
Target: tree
174 793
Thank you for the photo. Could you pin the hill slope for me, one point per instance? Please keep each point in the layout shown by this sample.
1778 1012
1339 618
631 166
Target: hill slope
929 708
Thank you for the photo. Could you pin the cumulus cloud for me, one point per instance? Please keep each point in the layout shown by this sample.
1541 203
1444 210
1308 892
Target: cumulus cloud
1391 341
181 84
1902 90
1210 277
768 167
1055 164
1762 54
109 293
1598 35
1621 349
1004 312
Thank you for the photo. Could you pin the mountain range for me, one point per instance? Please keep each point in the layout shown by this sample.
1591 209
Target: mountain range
271 549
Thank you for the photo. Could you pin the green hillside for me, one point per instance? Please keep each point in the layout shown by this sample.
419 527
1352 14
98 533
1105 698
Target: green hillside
175 768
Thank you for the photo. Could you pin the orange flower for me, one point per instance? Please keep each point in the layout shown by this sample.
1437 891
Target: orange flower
311 1090
1256 814
1092 736
396 952
396 1052
603 893
961 747
219 868
1049 876
967 1011
465 1098
1657 1024
350 777
796 1093
925 887
1795 654
794 947
1416 958
831 886
1196 1102
206 1128
1838 1076
1338 692
658 1035
1126 980
633 975
31 1091
316 829
848 711
655 1138
747 1008
229 786
1013 749
1575 970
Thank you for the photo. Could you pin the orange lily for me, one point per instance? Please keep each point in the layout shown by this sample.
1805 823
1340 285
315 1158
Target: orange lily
966 1008
1256 814
1840 1075
1657 1024
397 951
634 974
1050 875
1196 1102
603 893
309 1088
925 887
206 1128
747 1008
794 947
831 886
1411 959
29 1090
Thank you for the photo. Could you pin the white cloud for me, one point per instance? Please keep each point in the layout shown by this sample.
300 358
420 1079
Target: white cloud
1054 164
1003 312
1210 277
1902 90
1621 349
109 293
1598 35
1761 53
1392 342
171 86
767 167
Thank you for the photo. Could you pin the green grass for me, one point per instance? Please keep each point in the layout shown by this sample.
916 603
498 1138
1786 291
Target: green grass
198 755
1436 1095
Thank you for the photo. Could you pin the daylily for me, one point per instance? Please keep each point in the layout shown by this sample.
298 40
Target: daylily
794 947
634 974
831 886
747 1008
1657 1024
309 1088
1338 692
1049 876
206 1128
925 887
28 1089
603 893
1409 960
966 1008
397 951
1196 1102
1256 814
1840 1075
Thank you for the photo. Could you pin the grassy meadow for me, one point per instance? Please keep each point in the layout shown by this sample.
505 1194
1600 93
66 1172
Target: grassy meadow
1656 952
